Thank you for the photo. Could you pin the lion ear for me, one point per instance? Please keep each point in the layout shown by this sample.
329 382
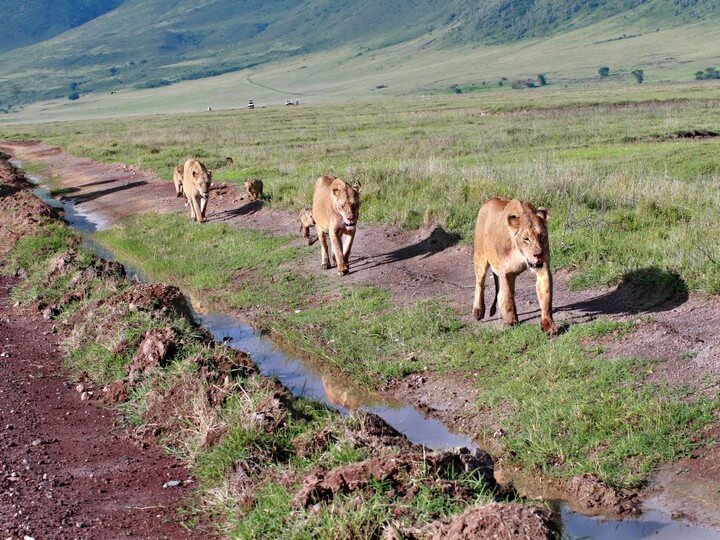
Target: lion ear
513 222
194 174
210 173
336 191
542 213
358 188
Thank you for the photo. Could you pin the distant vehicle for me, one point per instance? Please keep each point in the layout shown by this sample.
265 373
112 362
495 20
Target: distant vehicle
292 102
251 104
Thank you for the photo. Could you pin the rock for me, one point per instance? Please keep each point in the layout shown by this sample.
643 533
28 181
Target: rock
172 483
5 354
85 396
155 349
36 442
80 388
50 312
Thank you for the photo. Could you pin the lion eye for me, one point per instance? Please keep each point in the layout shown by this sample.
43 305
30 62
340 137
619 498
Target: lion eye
526 240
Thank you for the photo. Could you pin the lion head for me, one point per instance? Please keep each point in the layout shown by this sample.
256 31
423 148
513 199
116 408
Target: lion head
528 226
346 201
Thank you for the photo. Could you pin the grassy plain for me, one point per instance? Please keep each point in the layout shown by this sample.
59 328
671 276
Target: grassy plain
623 190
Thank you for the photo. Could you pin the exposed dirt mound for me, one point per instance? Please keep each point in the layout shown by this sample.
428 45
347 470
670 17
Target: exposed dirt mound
155 349
156 296
397 468
494 521
592 494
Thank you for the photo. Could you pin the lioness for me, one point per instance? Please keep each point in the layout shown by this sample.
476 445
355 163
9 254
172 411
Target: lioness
306 221
510 236
254 187
336 207
196 187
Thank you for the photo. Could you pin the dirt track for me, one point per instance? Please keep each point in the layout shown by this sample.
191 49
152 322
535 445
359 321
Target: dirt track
67 471
684 333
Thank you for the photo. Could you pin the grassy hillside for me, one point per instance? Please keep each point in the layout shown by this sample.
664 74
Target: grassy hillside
419 46
26 23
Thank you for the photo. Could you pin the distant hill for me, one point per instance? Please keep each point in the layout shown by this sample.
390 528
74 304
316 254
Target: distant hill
26 23
106 45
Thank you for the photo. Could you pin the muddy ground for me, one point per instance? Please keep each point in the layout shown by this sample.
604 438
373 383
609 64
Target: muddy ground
683 333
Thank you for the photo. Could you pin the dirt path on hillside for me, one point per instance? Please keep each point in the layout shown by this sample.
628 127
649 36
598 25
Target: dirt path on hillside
683 333
67 471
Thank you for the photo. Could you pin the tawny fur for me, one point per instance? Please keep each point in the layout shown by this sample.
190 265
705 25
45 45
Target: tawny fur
336 208
178 180
511 236
254 187
196 187
306 222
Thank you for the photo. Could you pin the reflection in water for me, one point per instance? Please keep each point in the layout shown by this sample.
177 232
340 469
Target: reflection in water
651 524
301 380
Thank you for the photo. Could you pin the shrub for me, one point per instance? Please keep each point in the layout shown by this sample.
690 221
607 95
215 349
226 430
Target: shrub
709 73
73 96
604 71
639 75
542 79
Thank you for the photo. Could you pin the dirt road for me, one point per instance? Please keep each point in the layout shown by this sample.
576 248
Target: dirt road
67 470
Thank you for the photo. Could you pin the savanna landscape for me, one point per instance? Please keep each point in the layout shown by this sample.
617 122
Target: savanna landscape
578 434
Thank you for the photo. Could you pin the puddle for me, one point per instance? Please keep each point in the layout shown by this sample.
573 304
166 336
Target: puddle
651 524
303 380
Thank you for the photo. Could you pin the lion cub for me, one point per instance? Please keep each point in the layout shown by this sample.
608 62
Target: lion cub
306 222
511 236
254 187
336 208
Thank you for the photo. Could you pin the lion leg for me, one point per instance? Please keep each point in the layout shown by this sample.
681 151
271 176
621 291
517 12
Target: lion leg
481 267
195 203
189 203
337 248
347 242
203 208
324 258
544 289
506 299
493 308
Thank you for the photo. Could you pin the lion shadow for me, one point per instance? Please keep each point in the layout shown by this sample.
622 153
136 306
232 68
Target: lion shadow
644 290
80 199
247 209
437 241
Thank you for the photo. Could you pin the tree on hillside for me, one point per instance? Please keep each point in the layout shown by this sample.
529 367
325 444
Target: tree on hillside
709 73
604 72
639 75
542 79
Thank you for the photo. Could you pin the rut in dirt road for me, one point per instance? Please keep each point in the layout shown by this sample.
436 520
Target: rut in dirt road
67 471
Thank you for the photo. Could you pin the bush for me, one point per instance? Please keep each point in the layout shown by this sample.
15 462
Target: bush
542 79
604 71
74 96
709 73
639 75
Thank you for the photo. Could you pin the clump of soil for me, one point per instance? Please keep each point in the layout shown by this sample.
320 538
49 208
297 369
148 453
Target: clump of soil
497 521
154 351
592 494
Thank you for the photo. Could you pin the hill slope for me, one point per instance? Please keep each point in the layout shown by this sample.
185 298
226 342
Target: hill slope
153 43
26 23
